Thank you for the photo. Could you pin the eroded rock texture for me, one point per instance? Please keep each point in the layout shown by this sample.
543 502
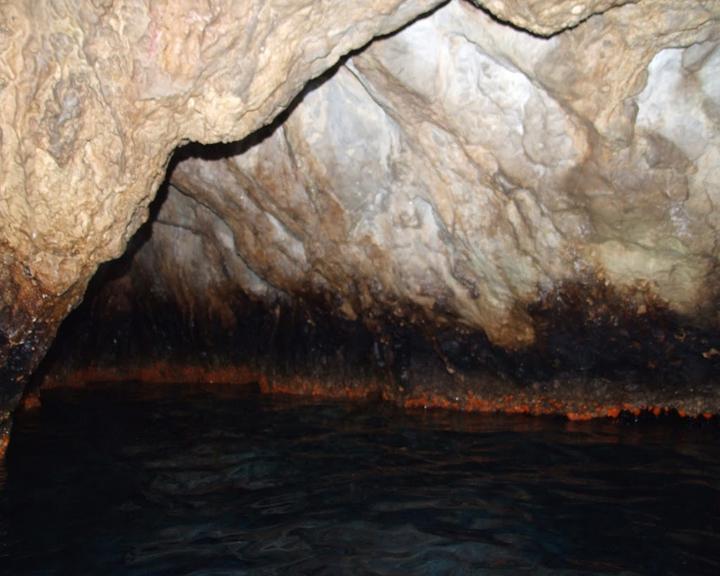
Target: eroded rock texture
532 207
95 95
461 173
468 169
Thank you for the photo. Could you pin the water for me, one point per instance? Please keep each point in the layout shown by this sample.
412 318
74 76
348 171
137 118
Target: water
190 482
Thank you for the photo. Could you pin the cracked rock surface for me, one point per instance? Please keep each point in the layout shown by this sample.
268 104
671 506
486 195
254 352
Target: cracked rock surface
94 97
461 170
465 168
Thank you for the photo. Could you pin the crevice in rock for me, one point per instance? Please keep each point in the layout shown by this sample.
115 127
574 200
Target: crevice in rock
325 262
457 212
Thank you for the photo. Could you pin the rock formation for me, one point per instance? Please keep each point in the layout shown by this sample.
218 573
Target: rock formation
468 169
94 97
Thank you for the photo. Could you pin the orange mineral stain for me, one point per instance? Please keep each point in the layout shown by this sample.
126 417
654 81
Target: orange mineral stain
31 402
4 441
579 416
519 402
613 411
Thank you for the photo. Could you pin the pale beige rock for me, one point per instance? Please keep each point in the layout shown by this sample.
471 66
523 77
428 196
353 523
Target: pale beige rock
547 18
466 168
462 167
95 95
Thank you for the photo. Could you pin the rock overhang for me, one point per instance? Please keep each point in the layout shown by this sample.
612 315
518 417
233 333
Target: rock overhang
459 171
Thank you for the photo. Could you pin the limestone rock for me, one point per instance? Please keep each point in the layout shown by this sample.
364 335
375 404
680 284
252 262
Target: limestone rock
94 98
547 18
95 95
466 168
462 168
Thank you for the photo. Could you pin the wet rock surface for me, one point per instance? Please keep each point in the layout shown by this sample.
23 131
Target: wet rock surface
467 169
94 97
539 177
604 362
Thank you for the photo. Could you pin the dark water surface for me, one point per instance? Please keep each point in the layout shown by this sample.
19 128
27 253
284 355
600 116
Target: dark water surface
188 482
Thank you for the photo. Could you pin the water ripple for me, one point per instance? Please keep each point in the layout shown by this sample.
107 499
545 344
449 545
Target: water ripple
105 483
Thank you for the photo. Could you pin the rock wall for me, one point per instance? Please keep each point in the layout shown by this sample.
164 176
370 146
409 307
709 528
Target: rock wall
465 170
95 95
465 180
469 169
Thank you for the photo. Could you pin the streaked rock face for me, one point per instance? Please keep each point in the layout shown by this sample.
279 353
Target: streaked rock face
465 168
94 97
461 170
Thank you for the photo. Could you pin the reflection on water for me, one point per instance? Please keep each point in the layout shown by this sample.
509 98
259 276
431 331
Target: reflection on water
187 482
